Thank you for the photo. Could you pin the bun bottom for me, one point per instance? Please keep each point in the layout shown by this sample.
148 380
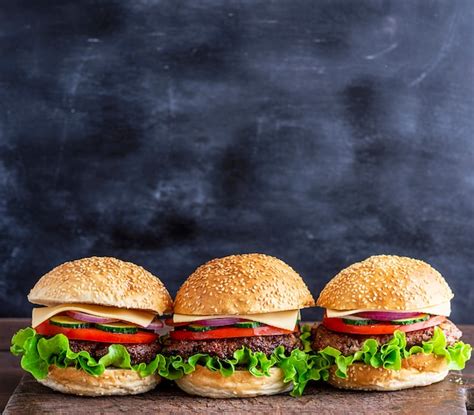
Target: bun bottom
111 382
242 384
418 370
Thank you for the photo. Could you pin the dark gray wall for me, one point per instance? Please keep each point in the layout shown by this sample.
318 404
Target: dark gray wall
168 133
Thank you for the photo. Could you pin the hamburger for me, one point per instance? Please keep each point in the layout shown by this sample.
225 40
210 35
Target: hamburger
236 329
98 330
386 326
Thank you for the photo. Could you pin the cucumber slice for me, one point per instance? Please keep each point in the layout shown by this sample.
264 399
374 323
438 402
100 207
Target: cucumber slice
412 320
69 322
247 324
197 327
359 322
122 328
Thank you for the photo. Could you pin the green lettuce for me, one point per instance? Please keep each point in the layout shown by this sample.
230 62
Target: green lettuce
298 367
390 354
38 353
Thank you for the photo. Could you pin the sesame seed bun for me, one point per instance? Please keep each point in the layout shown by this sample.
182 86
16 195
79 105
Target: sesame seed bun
386 282
111 382
242 284
241 384
418 370
103 281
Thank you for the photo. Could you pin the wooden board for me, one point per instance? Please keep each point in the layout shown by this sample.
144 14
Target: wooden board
447 397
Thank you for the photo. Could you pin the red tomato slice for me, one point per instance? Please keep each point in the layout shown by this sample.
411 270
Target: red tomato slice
337 324
227 333
95 335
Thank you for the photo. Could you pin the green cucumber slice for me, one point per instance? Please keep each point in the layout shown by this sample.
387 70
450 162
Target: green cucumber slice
194 327
361 322
122 328
247 324
412 320
69 322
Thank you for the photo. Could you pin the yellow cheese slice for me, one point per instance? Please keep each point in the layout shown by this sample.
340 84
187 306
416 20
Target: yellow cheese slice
438 310
281 319
140 317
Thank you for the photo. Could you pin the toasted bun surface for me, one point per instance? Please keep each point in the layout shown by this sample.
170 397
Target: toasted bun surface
242 284
417 370
104 281
242 384
111 382
385 282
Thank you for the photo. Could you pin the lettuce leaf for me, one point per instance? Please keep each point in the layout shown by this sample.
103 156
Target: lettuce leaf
38 353
298 367
390 354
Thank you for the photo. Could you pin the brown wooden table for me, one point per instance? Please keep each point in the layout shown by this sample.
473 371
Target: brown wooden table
10 372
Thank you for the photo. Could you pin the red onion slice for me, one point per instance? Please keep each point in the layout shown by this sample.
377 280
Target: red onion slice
156 324
89 318
387 315
163 331
216 322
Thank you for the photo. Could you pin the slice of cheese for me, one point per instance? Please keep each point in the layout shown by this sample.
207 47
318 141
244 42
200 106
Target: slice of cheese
281 319
140 317
438 310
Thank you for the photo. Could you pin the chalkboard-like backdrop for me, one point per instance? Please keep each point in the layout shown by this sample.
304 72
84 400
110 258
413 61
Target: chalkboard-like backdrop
168 133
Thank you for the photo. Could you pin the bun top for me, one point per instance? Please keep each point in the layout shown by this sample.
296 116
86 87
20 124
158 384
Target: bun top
103 281
386 282
242 284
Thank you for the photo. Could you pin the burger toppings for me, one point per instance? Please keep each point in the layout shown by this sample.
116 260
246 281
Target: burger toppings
225 348
95 334
93 314
340 350
375 327
443 309
122 328
348 344
226 332
204 325
156 325
389 315
212 322
281 319
90 318
361 321
69 322
112 327
41 348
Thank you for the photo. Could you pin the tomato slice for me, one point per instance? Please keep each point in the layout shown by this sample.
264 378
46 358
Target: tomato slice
95 335
227 333
337 324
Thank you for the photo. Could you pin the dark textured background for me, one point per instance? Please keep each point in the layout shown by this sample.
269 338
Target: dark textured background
168 133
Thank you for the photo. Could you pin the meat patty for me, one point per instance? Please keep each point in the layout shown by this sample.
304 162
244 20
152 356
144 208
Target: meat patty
348 344
139 353
225 348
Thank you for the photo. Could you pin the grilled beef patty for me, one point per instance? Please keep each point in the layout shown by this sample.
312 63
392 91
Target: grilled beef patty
225 348
139 353
348 344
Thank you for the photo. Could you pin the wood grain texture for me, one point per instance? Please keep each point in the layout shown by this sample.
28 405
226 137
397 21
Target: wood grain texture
445 397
